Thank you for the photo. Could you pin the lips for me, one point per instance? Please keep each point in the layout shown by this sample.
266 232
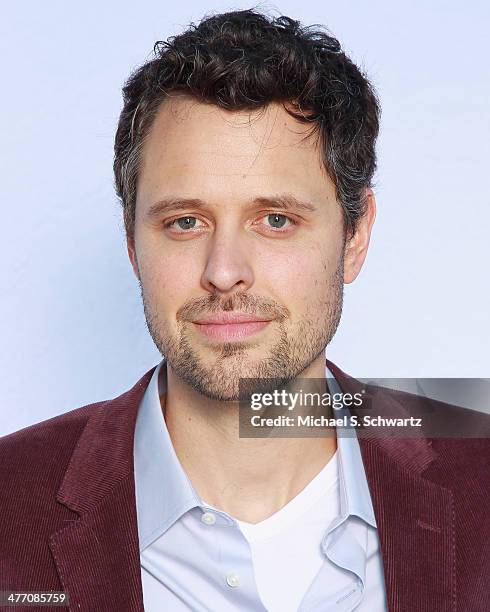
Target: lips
230 326
230 318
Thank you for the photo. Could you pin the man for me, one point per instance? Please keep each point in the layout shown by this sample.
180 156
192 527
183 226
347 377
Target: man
243 158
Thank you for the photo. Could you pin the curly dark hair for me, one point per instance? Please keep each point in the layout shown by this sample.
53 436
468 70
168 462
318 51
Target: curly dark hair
246 60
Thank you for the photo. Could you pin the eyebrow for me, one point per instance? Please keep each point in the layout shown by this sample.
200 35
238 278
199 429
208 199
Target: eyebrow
285 201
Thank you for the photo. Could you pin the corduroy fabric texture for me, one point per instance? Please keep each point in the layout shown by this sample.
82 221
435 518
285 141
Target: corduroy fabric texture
68 511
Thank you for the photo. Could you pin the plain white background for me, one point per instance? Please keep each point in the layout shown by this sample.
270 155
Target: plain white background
72 324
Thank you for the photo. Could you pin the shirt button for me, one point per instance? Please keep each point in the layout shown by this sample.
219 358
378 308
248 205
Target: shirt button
233 580
208 518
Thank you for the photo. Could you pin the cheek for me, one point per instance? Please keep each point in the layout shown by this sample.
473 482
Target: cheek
168 284
166 265
169 281
297 280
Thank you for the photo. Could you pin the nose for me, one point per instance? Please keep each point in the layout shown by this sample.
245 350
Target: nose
228 267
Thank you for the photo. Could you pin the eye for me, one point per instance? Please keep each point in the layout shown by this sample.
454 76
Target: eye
184 223
278 221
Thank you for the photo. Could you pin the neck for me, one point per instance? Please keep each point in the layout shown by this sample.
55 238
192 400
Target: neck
249 478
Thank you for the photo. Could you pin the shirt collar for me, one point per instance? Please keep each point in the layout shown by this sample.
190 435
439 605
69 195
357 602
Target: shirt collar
164 492
355 497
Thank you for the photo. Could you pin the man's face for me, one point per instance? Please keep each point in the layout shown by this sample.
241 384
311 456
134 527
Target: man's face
232 253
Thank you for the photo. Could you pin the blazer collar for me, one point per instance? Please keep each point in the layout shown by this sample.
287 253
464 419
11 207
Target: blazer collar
97 556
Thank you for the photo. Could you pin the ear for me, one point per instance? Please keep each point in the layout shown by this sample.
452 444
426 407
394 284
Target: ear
132 256
357 244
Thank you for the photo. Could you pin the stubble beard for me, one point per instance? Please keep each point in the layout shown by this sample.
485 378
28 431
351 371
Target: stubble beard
219 377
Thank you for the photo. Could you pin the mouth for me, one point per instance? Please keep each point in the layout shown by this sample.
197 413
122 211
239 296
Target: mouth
231 331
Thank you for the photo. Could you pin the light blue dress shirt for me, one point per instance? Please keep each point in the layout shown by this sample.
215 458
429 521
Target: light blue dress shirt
185 560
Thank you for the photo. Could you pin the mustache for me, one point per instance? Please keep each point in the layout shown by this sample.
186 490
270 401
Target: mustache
242 302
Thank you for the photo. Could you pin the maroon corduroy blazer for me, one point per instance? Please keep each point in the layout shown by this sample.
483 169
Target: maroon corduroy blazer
68 510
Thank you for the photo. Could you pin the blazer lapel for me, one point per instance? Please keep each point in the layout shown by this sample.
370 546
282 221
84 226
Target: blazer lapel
97 556
415 516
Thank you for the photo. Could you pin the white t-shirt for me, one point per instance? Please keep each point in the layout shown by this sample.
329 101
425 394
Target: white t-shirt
293 532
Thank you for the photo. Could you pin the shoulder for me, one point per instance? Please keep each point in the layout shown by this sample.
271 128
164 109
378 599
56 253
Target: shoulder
33 460
44 439
34 463
459 436
52 441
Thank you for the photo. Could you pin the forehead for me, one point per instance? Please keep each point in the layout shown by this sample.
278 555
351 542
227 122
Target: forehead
191 143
